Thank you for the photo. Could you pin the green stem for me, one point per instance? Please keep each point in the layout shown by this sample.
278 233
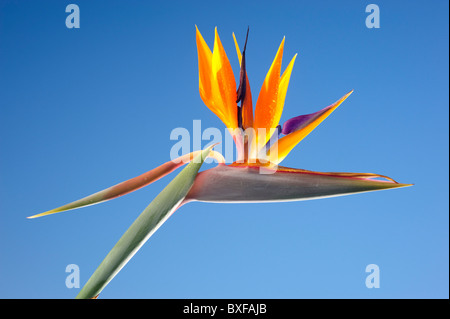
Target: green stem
156 213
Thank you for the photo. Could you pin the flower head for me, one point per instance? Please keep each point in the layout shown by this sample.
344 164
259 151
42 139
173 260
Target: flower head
246 180
253 130
260 140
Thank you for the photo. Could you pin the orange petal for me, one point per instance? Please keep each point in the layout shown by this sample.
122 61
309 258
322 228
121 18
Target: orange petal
288 142
267 110
216 80
238 51
284 83
223 84
204 69
247 107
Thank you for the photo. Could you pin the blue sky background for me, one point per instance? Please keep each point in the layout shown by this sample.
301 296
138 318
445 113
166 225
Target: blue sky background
83 109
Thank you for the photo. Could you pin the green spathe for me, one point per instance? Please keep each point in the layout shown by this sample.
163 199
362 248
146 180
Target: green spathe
237 184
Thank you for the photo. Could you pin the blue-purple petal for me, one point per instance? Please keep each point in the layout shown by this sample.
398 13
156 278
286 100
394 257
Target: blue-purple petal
299 122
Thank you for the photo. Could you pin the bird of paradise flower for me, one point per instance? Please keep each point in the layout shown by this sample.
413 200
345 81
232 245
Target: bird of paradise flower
262 144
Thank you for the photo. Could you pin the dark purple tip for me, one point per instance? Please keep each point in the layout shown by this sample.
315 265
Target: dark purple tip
242 83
